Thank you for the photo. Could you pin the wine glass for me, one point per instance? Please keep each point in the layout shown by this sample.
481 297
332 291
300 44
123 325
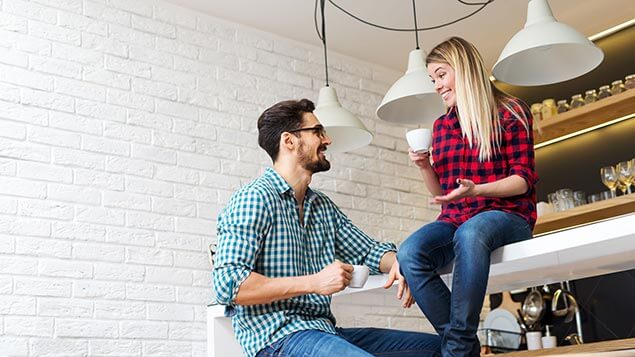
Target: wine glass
609 178
624 176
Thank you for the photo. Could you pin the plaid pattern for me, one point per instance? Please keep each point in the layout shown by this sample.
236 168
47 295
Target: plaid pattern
259 231
453 158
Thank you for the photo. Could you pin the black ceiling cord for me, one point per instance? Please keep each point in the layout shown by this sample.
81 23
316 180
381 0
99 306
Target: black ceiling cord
416 29
414 11
315 20
323 38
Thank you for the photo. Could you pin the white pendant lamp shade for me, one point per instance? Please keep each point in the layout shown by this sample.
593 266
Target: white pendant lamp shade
545 51
346 131
412 99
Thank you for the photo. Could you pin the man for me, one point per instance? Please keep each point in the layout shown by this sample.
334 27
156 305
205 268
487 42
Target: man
284 249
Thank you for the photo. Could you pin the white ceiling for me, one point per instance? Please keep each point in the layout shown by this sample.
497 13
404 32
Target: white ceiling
489 30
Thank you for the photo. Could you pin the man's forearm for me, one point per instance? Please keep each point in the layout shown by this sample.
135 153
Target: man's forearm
259 289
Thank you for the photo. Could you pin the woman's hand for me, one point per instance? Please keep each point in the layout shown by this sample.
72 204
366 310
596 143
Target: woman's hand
466 188
421 159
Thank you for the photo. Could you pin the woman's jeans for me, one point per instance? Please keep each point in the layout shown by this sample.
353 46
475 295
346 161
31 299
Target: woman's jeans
455 316
355 342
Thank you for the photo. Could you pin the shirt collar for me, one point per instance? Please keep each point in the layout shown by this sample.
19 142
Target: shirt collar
282 186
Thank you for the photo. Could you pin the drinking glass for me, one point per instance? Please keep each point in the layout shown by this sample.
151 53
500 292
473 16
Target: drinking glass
624 175
609 178
552 198
565 199
579 198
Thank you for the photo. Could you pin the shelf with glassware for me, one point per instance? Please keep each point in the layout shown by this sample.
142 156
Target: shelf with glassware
614 348
585 214
585 117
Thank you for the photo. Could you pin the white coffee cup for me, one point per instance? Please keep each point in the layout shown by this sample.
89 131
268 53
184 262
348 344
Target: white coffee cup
360 275
534 340
419 139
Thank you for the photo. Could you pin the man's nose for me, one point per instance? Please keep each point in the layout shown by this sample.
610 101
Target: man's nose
327 139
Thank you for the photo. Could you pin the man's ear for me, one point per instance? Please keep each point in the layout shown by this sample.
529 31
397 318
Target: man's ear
288 141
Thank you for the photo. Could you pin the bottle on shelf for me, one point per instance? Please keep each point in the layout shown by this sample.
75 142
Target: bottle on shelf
536 111
548 108
562 106
576 101
629 81
590 96
605 91
617 87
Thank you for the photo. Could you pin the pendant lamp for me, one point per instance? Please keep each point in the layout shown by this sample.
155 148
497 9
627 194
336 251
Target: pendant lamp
545 51
346 131
412 99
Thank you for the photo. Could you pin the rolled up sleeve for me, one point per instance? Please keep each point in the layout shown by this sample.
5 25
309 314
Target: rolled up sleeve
240 230
353 246
520 150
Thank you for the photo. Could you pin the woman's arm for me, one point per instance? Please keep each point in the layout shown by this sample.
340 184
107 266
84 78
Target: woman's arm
430 178
509 186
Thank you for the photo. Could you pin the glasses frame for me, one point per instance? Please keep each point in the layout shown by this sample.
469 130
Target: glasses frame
318 130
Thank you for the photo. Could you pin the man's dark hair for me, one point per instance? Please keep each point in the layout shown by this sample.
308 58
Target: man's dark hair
280 117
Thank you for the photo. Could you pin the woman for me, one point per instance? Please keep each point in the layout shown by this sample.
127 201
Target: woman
483 176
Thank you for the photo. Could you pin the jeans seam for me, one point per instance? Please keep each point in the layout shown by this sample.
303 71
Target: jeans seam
389 353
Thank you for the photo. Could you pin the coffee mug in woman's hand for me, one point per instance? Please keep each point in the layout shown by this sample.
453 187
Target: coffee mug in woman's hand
419 139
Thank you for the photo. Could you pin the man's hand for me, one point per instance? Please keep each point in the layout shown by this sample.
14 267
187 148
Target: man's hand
333 278
403 291
466 189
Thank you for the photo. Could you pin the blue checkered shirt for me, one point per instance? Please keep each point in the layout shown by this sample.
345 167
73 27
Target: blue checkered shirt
260 231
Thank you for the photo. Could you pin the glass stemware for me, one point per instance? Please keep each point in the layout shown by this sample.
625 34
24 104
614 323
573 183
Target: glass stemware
624 175
609 178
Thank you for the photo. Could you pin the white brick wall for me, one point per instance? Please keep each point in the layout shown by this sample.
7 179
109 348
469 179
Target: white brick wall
124 128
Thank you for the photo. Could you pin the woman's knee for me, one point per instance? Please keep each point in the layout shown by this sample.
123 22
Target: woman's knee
407 251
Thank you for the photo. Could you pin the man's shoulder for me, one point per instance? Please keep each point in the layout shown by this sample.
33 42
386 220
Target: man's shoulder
257 190
322 197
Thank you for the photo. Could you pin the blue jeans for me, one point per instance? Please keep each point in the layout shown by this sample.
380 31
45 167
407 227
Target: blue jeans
455 316
355 342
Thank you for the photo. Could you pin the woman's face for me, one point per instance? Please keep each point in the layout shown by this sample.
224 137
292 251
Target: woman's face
443 78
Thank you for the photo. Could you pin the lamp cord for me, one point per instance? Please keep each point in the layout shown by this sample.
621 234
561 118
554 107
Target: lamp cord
323 37
416 29
414 12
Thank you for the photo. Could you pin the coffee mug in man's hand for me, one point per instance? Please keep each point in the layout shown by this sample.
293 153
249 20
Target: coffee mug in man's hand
360 275
419 139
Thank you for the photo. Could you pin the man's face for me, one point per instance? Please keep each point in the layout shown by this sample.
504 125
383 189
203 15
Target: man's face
312 145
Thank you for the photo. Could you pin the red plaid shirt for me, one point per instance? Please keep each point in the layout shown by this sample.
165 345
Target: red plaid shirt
453 158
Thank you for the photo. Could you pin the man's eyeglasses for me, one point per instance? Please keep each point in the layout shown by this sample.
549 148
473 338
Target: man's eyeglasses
317 130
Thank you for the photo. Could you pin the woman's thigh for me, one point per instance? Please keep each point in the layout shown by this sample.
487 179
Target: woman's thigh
492 229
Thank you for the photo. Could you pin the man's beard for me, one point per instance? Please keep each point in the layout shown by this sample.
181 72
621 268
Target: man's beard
315 166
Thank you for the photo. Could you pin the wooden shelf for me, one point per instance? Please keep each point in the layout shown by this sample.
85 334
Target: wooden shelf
587 116
585 214
617 348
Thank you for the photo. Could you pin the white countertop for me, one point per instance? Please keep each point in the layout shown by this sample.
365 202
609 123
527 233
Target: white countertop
594 249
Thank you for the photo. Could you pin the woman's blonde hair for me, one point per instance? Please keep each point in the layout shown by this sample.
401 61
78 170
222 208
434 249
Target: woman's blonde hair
477 99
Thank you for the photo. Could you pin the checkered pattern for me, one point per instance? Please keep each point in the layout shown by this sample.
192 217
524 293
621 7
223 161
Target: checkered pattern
453 158
260 231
